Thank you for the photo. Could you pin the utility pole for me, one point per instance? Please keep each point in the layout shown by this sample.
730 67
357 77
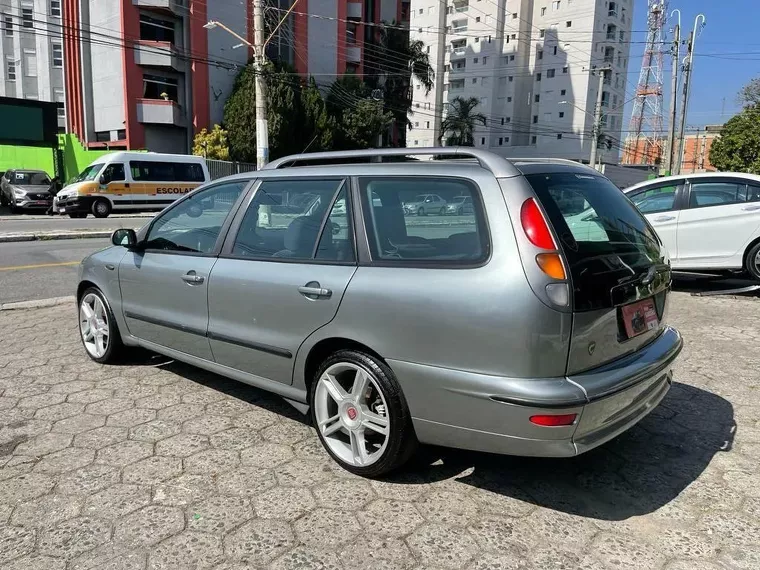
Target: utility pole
673 93
687 70
597 117
262 127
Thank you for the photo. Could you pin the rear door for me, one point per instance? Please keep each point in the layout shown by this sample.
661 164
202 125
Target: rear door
282 274
717 224
618 270
661 204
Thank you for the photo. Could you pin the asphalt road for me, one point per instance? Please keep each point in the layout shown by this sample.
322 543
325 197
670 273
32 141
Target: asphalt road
42 269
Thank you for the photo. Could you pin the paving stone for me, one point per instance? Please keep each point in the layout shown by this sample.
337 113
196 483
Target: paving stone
5 513
731 529
110 557
36 562
188 549
46 511
7 403
15 541
259 541
302 473
158 401
246 481
695 565
124 453
74 537
284 503
149 526
100 437
203 396
154 431
266 455
236 439
43 444
41 400
88 479
64 460
287 433
348 493
74 387
25 487
131 418
59 411
212 461
207 424
117 501
181 412
318 528
390 518
307 558
184 490
182 445
375 553
219 514
228 407
256 419
448 507
496 534
442 545
545 525
740 558
78 424
511 559
624 552
152 470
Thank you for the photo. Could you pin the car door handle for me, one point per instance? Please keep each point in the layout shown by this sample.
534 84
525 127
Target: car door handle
192 278
751 208
308 291
664 218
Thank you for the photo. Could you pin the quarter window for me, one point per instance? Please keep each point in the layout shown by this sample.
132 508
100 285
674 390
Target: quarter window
194 224
659 199
398 223
716 194
288 219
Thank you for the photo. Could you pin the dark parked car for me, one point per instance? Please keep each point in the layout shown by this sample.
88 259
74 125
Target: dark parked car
25 190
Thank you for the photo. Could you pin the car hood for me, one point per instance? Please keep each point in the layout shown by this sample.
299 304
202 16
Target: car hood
30 188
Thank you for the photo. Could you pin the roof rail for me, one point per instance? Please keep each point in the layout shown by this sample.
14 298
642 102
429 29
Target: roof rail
499 166
549 160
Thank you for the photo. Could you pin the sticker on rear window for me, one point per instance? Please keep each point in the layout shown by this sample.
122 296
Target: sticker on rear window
585 176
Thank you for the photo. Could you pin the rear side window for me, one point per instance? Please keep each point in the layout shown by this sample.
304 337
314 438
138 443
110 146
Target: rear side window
166 171
401 228
605 239
716 194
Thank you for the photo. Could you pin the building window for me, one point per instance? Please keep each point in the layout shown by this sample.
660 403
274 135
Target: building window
27 16
502 120
511 78
427 106
563 91
427 124
555 5
57 55
30 63
477 39
427 49
10 69
538 77
60 99
416 143
422 11
564 69
482 140
417 87
541 33
477 18
506 39
157 30
568 24
55 8
540 54
506 139
549 73
509 119
537 98
121 135
474 80
501 141
416 105
474 60
158 87
485 59
559 136
543 11
514 15
535 119
532 140
8 24
489 39
555 50
561 114
514 36
351 28
511 58
509 99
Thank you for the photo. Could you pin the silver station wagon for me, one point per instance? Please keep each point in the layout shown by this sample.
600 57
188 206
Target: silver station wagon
533 324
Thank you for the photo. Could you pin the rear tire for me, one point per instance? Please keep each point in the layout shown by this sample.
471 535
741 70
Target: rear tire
98 329
101 208
752 262
361 415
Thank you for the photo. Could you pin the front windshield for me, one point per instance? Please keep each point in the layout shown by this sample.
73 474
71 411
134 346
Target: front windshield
89 173
26 178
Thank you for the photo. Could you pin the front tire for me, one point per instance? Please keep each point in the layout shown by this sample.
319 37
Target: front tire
753 262
101 208
98 328
421 212
360 414
443 211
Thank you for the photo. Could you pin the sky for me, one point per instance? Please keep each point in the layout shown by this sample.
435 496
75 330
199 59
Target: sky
727 55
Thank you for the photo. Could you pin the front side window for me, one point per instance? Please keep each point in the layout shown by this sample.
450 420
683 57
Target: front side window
297 219
658 199
397 231
194 224
114 173
716 194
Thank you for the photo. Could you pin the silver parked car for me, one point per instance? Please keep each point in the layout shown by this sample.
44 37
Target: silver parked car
22 190
425 204
503 331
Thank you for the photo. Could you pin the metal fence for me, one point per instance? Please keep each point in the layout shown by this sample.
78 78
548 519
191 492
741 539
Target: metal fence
222 168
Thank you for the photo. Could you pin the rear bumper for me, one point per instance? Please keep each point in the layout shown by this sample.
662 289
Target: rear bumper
486 413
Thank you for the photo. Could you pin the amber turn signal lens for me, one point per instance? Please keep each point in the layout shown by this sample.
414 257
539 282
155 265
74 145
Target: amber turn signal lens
551 264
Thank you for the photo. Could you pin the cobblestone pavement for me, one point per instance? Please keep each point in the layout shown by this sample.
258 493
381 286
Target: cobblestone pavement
158 465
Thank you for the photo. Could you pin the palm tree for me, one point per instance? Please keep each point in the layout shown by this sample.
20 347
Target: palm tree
461 120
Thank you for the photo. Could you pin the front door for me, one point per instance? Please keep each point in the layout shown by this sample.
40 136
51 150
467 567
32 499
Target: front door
718 223
164 285
113 182
282 276
660 204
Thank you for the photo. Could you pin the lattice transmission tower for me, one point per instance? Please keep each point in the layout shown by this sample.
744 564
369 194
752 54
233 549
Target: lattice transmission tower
644 143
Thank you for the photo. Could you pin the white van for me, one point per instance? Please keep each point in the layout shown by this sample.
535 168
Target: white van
131 182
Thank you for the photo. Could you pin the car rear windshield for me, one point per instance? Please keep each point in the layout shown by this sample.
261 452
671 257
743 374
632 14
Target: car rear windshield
606 240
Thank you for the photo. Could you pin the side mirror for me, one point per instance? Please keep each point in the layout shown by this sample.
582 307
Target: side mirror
103 180
125 237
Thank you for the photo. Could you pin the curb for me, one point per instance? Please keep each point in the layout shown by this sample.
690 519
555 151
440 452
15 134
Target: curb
41 236
40 304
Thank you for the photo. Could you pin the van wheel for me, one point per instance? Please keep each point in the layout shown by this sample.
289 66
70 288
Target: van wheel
753 262
101 208
360 414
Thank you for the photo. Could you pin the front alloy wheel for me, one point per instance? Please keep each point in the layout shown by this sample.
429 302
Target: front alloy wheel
360 414
98 329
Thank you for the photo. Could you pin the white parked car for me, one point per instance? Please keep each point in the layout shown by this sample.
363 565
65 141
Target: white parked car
707 222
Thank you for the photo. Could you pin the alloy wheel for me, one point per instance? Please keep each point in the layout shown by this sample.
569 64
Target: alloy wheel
94 325
352 414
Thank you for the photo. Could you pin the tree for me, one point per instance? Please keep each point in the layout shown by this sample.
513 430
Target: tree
461 120
750 93
738 147
212 144
363 123
319 126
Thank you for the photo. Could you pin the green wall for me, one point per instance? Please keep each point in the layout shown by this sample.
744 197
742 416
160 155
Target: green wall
31 157
75 156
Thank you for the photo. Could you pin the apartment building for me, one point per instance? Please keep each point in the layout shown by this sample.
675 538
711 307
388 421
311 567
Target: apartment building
529 63
31 51
147 74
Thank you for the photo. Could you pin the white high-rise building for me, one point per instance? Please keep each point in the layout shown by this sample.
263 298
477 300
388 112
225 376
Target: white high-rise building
529 63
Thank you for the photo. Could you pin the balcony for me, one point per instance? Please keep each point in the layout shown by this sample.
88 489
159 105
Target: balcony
159 112
353 54
354 10
459 26
458 67
460 7
158 54
177 7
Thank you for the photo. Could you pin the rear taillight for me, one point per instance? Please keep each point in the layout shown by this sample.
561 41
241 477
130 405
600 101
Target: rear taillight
535 226
551 264
550 420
